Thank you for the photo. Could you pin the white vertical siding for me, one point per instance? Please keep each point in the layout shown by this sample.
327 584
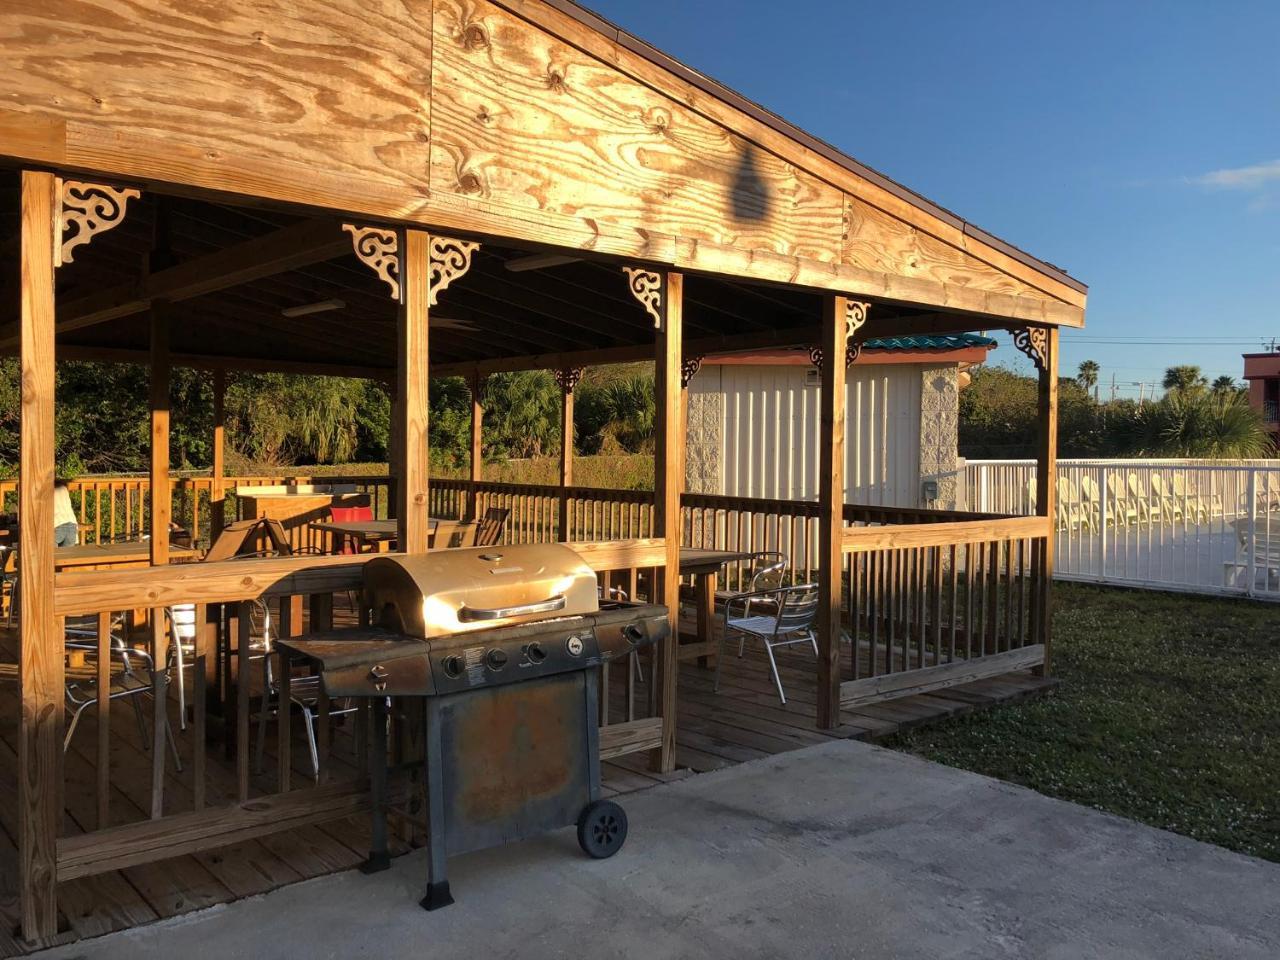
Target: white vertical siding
770 437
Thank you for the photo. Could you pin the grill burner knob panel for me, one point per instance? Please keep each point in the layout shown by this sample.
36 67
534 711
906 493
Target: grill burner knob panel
452 665
633 632
535 653
496 659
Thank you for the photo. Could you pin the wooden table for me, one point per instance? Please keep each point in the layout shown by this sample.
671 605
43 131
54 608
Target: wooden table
378 533
295 511
102 556
704 566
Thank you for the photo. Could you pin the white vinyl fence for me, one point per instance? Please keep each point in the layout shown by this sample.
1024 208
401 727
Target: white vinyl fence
1199 525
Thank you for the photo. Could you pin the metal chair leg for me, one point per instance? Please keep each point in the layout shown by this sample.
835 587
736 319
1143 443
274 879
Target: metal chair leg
773 665
173 743
71 727
142 723
309 721
180 664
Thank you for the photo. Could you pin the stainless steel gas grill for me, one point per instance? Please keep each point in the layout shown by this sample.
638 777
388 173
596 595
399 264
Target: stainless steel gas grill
502 645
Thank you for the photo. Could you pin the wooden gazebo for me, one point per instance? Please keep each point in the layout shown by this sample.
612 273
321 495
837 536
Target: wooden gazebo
461 188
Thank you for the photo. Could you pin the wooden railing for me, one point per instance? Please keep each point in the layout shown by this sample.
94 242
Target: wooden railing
119 508
127 803
934 605
534 510
944 594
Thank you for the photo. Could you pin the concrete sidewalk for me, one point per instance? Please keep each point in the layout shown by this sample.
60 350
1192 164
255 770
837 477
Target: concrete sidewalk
839 850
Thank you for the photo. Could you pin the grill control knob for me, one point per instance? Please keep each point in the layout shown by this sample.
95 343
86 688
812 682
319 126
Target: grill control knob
574 646
633 632
496 659
535 653
452 665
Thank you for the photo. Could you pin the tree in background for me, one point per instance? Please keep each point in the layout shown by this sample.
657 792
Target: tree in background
276 419
998 420
522 414
1225 384
1195 423
1087 377
1184 378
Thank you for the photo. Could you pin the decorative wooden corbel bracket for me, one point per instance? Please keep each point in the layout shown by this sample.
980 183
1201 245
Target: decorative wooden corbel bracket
450 260
378 249
1034 342
855 316
87 209
568 378
648 288
689 369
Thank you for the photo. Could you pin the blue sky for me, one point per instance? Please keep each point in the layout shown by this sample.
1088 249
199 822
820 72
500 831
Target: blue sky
1135 144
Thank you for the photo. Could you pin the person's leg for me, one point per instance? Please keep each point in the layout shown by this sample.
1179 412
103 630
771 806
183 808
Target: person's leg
65 535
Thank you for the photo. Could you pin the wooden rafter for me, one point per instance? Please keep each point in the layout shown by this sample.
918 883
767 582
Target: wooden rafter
290 248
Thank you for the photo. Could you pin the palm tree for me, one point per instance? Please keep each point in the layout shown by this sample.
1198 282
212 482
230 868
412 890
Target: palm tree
1088 375
1224 384
1183 378
1196 423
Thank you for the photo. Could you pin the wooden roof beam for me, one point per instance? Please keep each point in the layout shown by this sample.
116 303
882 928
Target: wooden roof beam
280 251
790 336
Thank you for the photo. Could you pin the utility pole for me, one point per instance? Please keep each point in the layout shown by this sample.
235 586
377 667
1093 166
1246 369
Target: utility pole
1142 393
1113 388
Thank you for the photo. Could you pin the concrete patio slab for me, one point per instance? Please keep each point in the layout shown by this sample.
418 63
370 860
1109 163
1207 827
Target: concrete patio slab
838 850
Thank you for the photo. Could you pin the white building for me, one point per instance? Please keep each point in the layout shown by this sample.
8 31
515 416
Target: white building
753 422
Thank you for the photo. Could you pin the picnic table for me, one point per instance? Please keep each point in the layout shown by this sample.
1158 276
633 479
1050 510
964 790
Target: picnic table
102 556
704 566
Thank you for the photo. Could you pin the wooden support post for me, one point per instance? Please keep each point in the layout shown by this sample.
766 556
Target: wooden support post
831 508
476 384
566 453
411 382
161 495
40 656
217 490
668 483
1047 493
395 455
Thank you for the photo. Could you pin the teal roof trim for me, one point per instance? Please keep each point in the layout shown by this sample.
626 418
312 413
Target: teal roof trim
950 341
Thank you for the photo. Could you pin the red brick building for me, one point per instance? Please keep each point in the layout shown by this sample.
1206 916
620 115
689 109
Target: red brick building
1262 370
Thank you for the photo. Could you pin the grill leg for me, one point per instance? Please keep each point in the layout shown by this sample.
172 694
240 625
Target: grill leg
379 857
437 880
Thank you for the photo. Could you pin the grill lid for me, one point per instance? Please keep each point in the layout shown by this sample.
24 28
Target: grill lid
455 591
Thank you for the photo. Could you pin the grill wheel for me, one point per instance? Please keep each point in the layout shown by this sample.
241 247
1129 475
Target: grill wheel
602 829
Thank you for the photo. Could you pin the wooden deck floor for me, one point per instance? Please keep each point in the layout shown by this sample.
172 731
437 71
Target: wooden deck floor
744 721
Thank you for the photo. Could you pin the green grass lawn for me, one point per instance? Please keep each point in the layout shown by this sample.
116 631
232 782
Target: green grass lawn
1168 713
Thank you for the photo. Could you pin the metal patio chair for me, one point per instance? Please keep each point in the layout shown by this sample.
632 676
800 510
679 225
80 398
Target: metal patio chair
791 622
81 680
304 692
